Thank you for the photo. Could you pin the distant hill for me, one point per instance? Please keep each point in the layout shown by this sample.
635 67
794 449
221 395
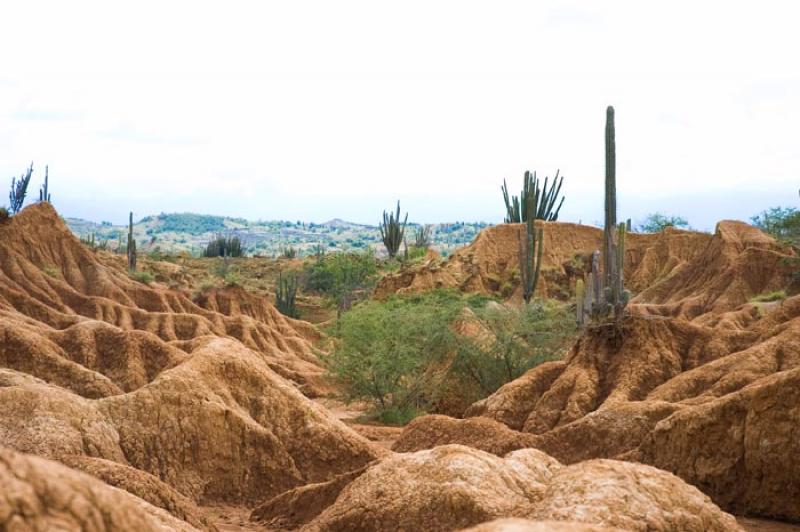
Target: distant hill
190 232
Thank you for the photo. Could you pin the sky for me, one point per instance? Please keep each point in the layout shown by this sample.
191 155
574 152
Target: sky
312 110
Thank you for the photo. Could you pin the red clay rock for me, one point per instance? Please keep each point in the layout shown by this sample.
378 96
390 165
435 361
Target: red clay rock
528 525
40 494
452 486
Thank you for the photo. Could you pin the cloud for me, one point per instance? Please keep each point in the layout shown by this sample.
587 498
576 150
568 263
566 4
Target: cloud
317 110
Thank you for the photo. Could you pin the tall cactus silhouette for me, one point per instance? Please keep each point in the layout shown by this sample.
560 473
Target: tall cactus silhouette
608 296
609 259
44 191
131 245
531 246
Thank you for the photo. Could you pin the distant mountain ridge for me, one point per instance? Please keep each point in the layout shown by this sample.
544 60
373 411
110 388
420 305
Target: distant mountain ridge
190 232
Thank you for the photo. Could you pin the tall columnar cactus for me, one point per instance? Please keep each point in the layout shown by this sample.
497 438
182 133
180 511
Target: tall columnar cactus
544 199
580 296
532 241
286 295
131 245
44 191
608 295
392 231
610 199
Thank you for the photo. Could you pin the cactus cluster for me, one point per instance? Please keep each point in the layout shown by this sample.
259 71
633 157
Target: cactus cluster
392 231
543 204
532 241
19 189
44 190
422 237
605 297
286 295
224 246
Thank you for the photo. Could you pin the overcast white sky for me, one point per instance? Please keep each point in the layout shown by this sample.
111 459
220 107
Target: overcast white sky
314 110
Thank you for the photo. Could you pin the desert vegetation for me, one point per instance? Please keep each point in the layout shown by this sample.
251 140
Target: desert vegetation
407 354
656 222
542 358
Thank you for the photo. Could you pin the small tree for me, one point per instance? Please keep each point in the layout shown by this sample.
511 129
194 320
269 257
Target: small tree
19 189
392 231
781 222
657 222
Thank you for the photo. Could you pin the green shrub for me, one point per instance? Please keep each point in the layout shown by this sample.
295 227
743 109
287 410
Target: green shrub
657 222
386 348
403 355
415 253
398 416
142 277
340 275
232 279
777 295
3 214
782 223
524 337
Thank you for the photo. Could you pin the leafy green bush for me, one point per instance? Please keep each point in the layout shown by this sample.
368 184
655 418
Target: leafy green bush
404 355
415 253
657 222
3 214
340 275
777 295
782 223
232 279
142 277
386 348
523 337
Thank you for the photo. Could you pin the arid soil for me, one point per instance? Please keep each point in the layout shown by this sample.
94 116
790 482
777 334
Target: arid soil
699 382
129 406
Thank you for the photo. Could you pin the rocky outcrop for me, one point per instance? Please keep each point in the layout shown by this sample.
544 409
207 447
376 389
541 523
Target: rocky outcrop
718 407
39 494
451 487
176 402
